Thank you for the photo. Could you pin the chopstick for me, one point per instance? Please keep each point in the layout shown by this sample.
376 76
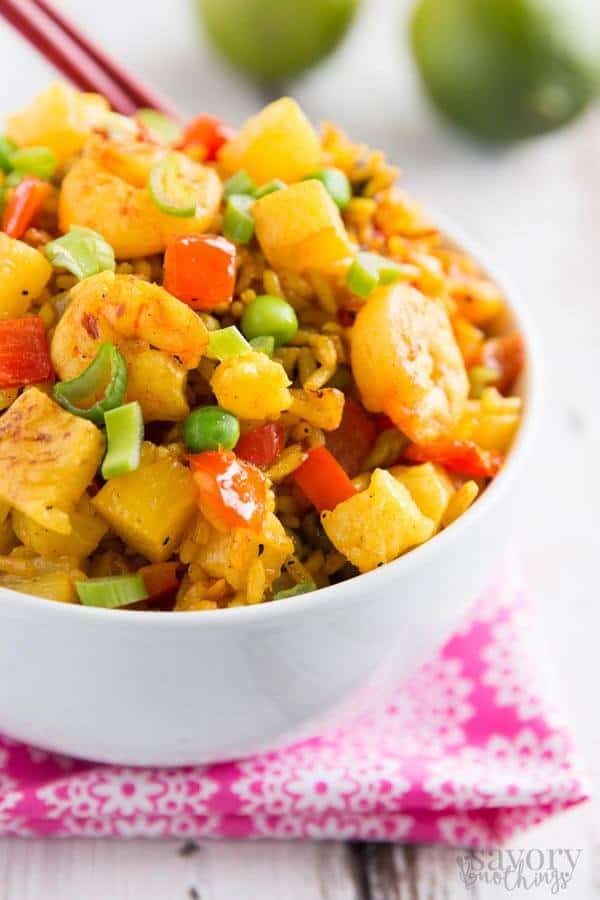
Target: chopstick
79 58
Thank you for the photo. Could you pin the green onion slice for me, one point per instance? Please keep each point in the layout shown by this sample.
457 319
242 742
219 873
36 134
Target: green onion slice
170 189
161 125
7 148
124 436
265 343
479 378
368 270
269 188
82 252
304 587
226 342
336 184
13 179
39 161
112 591
105 376
238 223
240 183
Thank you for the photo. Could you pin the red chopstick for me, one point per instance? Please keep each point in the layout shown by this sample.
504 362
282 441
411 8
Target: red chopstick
79 58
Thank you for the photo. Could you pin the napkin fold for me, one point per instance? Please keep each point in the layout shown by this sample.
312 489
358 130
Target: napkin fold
469 750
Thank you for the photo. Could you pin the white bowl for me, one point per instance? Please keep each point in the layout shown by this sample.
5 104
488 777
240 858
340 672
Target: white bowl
179 688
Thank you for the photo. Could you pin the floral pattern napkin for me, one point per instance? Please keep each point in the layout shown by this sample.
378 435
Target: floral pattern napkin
470 749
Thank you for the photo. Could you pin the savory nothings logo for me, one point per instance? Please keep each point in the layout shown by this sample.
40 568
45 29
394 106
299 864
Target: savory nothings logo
549 870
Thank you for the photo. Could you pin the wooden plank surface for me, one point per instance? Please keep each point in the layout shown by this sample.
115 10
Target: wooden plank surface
537 208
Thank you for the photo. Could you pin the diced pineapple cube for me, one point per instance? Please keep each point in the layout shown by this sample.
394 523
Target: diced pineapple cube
252 386
151 507
158 381
47 459
24 272
378 524
51 586
88 529
301 228
231 555
278 142
492 421
430 487
60 118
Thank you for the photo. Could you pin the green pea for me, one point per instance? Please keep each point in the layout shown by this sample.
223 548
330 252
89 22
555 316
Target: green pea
210 428
272 315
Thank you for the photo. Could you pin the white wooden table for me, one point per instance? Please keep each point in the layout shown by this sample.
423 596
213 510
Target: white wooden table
538 208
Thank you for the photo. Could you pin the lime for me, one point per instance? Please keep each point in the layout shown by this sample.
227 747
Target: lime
275 39
505 69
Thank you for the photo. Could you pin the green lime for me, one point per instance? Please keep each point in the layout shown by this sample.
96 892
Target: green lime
275 39
505 69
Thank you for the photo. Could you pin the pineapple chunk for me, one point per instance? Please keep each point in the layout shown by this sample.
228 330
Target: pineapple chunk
24 272
47 459
301 228
430 487
88 529
60 118
378 524
158 382
150 508
492 421
278 142
252 386
231 555
51 586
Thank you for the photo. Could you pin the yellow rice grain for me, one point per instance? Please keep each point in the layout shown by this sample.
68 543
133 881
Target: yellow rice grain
288 461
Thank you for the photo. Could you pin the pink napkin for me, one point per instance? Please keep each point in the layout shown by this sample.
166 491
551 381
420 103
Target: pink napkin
467 751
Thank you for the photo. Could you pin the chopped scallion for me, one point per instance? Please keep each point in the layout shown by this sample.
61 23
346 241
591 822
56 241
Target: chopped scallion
238 223
226 342
108 373
38 161
369 270
124 436
82 252
7 148
264 343
336 184
304 587
170 189
164 127
269 188
112 591
240 183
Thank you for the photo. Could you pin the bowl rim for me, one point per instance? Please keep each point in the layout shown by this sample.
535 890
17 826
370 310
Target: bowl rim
425 554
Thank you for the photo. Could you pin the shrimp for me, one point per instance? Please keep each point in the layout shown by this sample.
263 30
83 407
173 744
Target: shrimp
107 190
159 336
406 362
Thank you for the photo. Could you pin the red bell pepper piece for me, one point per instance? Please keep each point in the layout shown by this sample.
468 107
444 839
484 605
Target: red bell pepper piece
229 489
323 480
200 270
208 132
351 442
463 457
160 579
24 355
506 356
24 204
262 446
